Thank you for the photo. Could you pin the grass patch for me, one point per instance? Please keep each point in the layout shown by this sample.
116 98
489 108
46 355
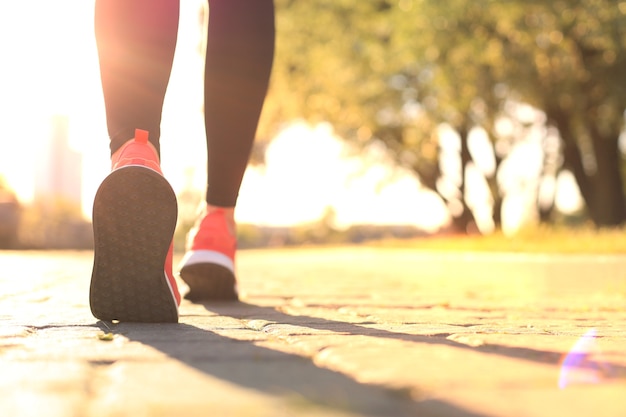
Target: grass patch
541 239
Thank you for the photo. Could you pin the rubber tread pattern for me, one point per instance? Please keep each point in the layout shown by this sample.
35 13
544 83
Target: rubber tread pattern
209 282
134 217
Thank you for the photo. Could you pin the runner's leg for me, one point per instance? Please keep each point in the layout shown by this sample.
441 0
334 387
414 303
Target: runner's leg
240 51
136 41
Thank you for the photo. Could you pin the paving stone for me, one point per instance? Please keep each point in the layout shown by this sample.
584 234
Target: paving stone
327 332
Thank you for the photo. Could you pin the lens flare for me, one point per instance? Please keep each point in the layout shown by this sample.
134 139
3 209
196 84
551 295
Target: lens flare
583 364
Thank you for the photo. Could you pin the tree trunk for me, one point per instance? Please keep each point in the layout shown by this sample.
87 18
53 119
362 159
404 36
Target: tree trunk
429 175
572 158
496 194
603 191
608 207
465 222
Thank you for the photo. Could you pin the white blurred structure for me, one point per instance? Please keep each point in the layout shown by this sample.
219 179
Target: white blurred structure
59 171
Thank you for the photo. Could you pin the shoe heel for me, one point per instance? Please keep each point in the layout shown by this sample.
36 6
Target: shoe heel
134 218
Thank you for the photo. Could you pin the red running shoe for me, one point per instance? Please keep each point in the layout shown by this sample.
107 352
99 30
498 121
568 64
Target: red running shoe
208 266
134 217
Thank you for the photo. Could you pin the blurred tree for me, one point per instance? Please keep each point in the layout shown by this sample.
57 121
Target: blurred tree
569 60
363 67
10 213
390 72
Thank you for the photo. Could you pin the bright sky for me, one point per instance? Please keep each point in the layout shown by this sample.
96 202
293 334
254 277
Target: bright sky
50 67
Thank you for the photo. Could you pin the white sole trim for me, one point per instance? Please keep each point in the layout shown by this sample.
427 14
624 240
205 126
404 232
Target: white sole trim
140 166
169 285
207 257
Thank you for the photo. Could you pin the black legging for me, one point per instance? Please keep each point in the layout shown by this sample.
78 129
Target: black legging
136 41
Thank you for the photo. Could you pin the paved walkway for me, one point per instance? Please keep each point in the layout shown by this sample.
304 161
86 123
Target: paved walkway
326 332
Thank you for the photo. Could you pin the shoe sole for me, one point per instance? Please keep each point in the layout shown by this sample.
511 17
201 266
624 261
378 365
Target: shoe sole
134 217
209 282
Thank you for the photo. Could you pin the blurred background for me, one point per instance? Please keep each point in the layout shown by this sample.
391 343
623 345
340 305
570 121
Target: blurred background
401 119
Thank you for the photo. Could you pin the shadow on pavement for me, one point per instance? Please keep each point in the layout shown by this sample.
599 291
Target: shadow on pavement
283 375
279 374
244 310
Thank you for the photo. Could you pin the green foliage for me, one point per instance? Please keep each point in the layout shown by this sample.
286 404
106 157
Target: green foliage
328 58
391 71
